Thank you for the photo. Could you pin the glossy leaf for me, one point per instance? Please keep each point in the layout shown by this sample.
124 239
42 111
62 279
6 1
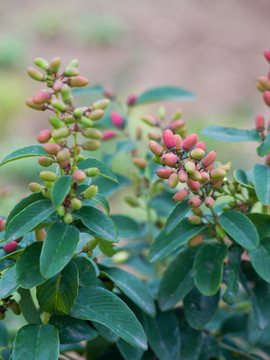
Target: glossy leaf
28 308
261 222
36 342
106 333
228 134
8 284
104 170
240 228
191 339
164 244
107 187
106 247
178 213
5 263
100 305
162 93
177 279
162 203
58 248
242 178
3 334
132 287
89 90
98 222
232 275
60 189
101 200
264 147
127 227
86 271
28 151
208 267
129 352
260 259
261 175
28 218
199 309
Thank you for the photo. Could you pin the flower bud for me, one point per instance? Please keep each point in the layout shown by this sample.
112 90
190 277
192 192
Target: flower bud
55 65
80 111
117 119
155 134
2 224
194 202
190 167
178 141
182 176
131 201
44 136
96 114
57 86
11 247
139 163
195 240
86 122
259 123
42 97
63 155
205 177
131 100
60 133
91 145
71 71
180 195
173 180
42 63
177 114
217 185
175 125
48 175
157 159
225 167
35 187
164 173
47 193
78 81
209 202
40 234
90 192
161 112
92 134
59 105
193 185
266 97
217 174
101 104
168 139
149 119
220 232
30 103
169 159
197 154
66 94
200 145
209 159
196 176
56 122
51 148
195 220
267 55
108 134
197 211
92 171
190 141
263 84
155 148
76 204
35 74
68 218
79 176
48 184
61 211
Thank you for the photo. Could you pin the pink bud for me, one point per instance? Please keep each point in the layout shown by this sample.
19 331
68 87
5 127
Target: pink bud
79 176
30 103
58 86
131 99
194 202
190 141
267 55
178 141
42 97
266 97
182 176
51 148
77 81
209 202
108 92
117 119
108 134
10 247
44 136
2 225
193 185
164 173
169 159
200 145
139 162
205 177
180 195
209 159
168 139
155 148
259 122
175 125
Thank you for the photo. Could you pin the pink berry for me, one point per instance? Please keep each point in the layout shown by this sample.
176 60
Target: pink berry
11 247
44 136
51 148
266 97
131 99
155 148
79 176
267 55
200 145
209 159
164 173
194 202
259 123
108 134
193 185
209 202
190 141
117 119
168 139
180 195
178 141
169 159
175 125
42 97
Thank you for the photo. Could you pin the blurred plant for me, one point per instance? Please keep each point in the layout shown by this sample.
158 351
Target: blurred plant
12 49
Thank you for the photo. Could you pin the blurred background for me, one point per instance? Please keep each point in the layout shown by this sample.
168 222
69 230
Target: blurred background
212 47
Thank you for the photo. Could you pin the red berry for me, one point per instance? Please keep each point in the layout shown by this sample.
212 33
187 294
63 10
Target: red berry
79 176
164 173
117 119
266 97
169 159
200 145
180 195
131 99
209 159
194 202
193 185
108 134
190 141
168 139
155 148
11 247
259 123
42 97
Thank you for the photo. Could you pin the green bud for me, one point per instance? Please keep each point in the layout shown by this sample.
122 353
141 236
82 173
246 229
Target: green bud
35 74
45 161
161 112
55 122
73 63
101 104
66 94
92 133
76 204
48 184
60 133
196 176
92 171
177 115
91 145
72 71
61 211
90 192
190 167
80 158
131 201
157 159
197 154
48 176
68 218
79 111
55 65
120 257
35 187
59 105
195 220
86 122
220 232
63 155
42 63
47 193
173 180
90 245
96 114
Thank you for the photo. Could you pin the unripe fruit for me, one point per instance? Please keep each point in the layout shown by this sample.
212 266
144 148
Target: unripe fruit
194 202
200 145
71 71
267 55
68 218
15 307
42 63
157 159
2 225
55 65
149 119
117 119
57 86
86 122
217 185
63 155
175 125
266 97
90 192
180 195
11 247
42 97
108 134
177 114
195 240
196 176
195 220
30 103
131 201
164 173
48 175
73 63
92 171
44 136
80 111
225 167
168 139
60 133
78 81
96 114
101 104
40 234
35 187
51 149
48 184
91 145
76 204
56 122
205 177
92 134
190 141
182 176
59 105
161 112
155 148
61 211
178 141
155 134
209 159
259 123
197 154
131 100
190 167
169 159
217 174
79 176
66 94
220 232
193 185
65 164
173 180
263 84
209 202
197 211
35 74
139 163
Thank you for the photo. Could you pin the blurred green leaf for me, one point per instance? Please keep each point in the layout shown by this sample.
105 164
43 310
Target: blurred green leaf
28 151
227 134
261 175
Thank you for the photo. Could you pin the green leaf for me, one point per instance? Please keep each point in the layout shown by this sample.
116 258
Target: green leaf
178 213
240 228
177 279
163 335
232 275
98 222
164 244
264 147
106 333
199 309
127 227
35 342
242 178
58 248
261 175
132 287
3 334
28 151
28 218
101 200
96 89
129 352
163 204
27 271
208 273
106 247
107 187
104 170
260 259
8 284
5 263
58 294
227 134
261 222
100 305
60 189
28 308
162 93
87 273
72 330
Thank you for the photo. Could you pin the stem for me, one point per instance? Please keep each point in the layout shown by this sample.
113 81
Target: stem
214 215
236 351
74 161
46 318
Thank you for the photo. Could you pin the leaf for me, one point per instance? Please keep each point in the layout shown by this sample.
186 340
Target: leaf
261 222
27 271
98 222
127 227
58 294
36 342
208 273
162 203
8 284
232 275
28 218
240 228
162 93
106 247
107 187
264 147
164 244
129 352
58 248
242 178
106 333
163 335
72 330
132 287
86 271
3 334
28 151
177 279
5 263
261 175
104 170
260 259
100 305
28 308
178 213
199 309
96 89
227 134
60 189
101 200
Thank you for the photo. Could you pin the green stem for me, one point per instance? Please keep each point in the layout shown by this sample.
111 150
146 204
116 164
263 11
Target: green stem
236 351
74 161
46 318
